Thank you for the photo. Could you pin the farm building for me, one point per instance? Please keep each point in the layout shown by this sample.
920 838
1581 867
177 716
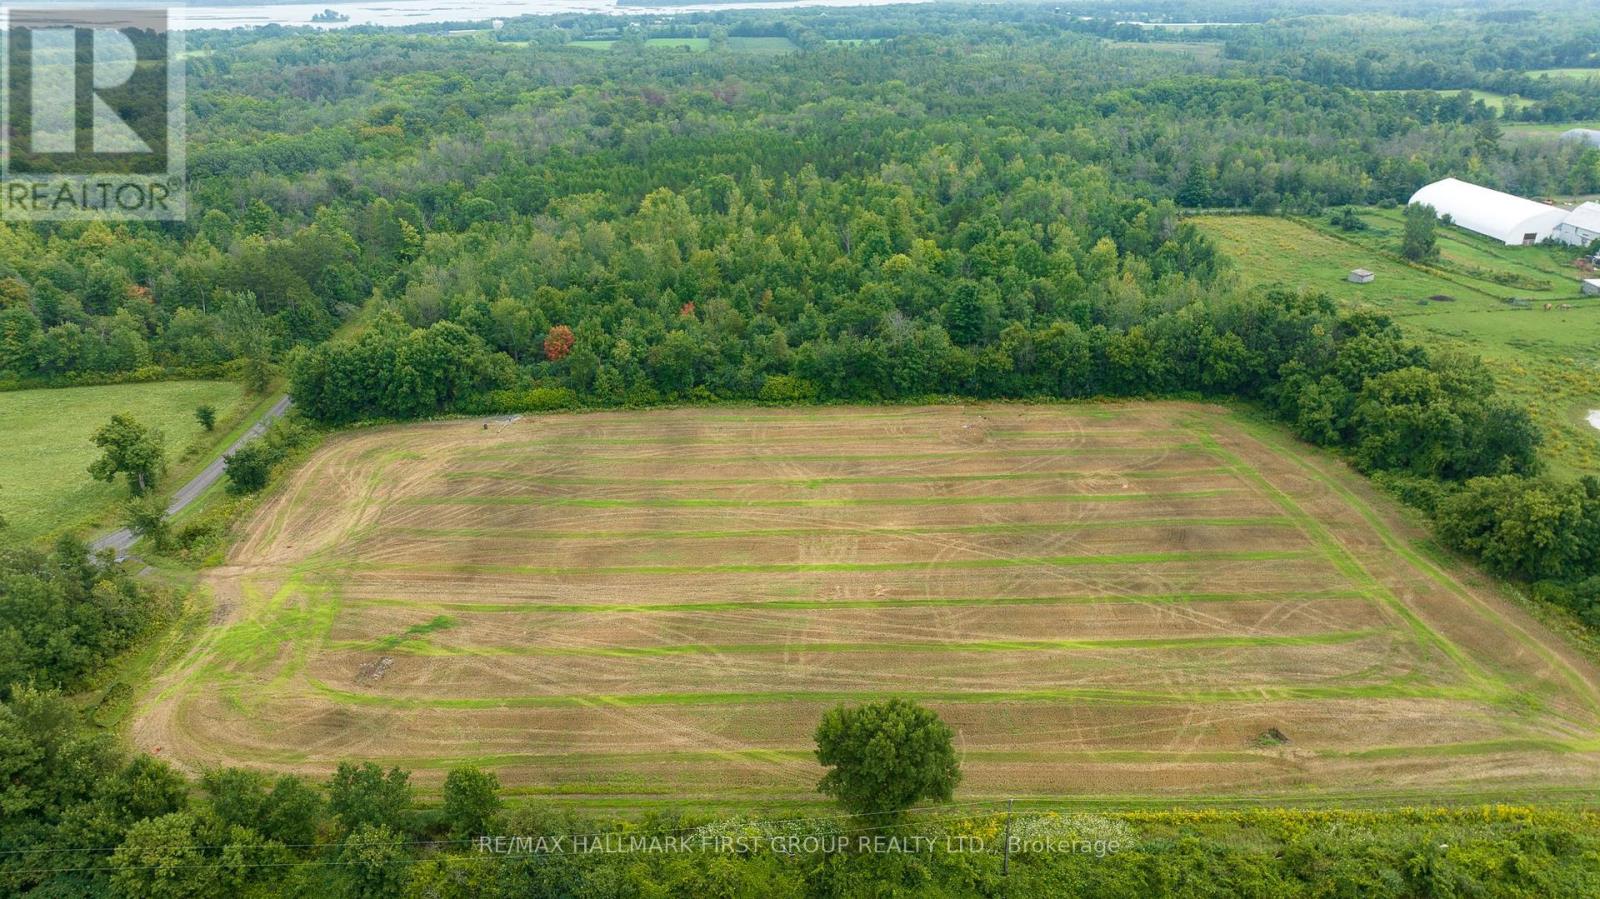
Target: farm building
1507 218
1591 287
1360 276
1582 226
1587 135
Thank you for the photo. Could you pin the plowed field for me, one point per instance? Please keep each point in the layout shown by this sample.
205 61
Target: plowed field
1103 601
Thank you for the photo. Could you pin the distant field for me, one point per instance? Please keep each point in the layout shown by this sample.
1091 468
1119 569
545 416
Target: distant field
1573 74
1105 601
1182 26
1531 130
1197 49
1548 360
700 44
762 44
697 44
1490 99
45 453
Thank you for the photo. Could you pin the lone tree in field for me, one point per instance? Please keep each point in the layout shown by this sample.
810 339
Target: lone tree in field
131 449
886 756
1420 243
207 416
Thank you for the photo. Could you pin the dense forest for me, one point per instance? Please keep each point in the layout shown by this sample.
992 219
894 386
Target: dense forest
441 176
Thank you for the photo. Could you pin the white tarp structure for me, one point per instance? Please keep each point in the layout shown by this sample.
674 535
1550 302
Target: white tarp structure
1581 227
1587 135
1509 219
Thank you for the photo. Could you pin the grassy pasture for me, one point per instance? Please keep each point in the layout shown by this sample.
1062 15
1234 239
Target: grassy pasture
44 482
1106 602
1548 360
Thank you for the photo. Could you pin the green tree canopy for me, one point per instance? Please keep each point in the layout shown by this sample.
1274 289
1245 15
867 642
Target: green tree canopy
365 795
1420 242
471 799
886 756
131 449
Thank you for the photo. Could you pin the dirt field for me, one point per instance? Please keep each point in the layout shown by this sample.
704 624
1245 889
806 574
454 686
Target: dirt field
1104 601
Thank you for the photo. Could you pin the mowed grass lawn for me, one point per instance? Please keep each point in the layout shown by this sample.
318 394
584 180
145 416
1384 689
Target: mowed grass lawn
1549 361
45 452
1103 600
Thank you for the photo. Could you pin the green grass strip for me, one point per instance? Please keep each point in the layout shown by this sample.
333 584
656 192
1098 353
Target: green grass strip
1112 756
975 453
1481 747
413 634
789 567
693 440
601 607
813 482
790 756
421 647
825 432
844 530
837 502
1399 688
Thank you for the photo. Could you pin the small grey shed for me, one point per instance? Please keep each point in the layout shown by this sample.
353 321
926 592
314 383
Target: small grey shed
1360 276
1591 287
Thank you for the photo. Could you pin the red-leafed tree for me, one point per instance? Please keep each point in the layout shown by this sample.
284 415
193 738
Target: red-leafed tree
558 343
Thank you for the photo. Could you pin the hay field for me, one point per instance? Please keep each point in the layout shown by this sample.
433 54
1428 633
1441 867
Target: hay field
1104 601
45 447
1549 361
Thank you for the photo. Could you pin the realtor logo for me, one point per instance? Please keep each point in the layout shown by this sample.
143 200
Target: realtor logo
92 124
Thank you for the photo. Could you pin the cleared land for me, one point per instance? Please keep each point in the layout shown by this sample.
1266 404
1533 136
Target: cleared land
1548 360
45 454
1104 601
